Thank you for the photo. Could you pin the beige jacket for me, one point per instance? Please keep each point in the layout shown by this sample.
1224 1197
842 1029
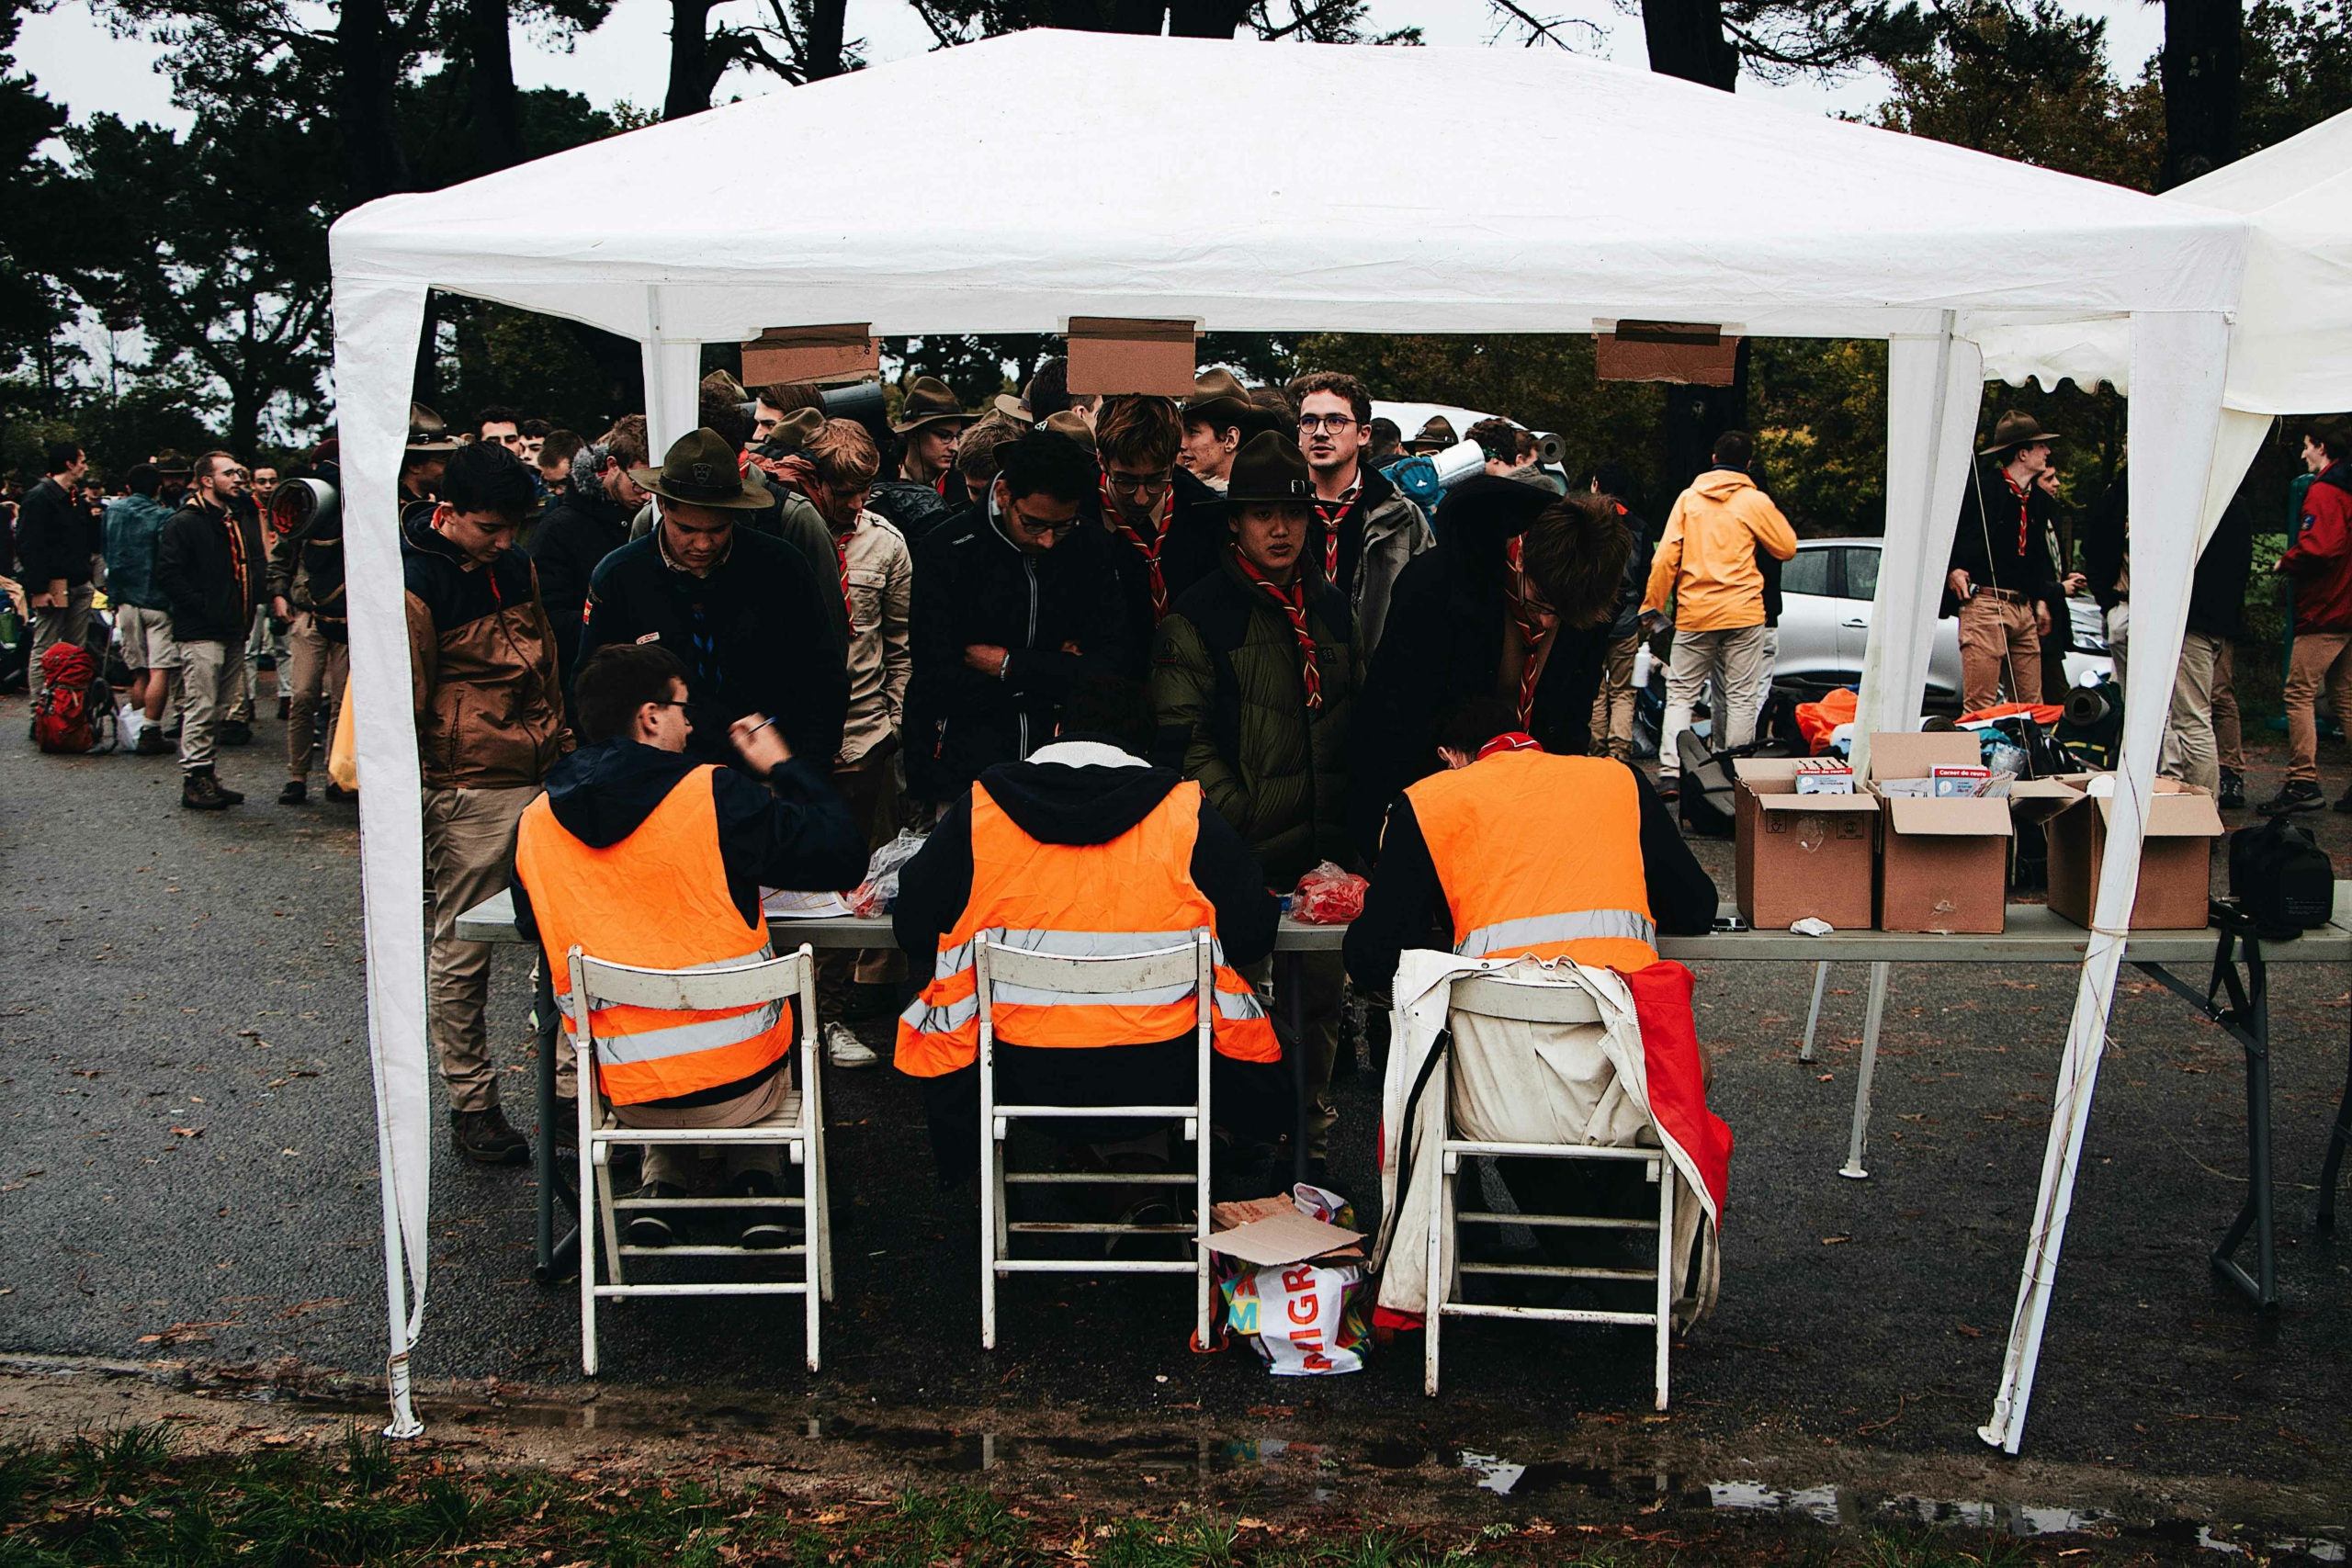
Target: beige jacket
879 575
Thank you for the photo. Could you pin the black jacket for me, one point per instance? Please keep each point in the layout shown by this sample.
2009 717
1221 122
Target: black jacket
751 634
577 530
974 586
1627 620
791 832
1406 905
2105 538
916 508
1445 645
211 570
1984 543
2217 593
56 537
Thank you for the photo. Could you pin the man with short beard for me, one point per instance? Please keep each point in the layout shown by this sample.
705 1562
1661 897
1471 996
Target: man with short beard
1365 531
209 575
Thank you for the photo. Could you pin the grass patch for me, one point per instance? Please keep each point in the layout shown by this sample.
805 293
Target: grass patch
130 1496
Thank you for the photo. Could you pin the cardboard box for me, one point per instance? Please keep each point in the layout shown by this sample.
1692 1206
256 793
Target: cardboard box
1802 855
2175 853
1943 864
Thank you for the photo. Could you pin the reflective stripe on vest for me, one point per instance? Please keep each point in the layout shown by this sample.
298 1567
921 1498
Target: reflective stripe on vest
658 900
1541 855
1073 900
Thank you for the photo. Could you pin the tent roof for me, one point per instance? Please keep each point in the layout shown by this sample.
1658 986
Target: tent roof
1063 193
2290 346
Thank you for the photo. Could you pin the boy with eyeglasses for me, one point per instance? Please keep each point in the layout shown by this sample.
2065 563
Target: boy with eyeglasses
1365 531
1167 526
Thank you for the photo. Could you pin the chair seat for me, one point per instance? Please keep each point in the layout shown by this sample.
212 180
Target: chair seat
783 1127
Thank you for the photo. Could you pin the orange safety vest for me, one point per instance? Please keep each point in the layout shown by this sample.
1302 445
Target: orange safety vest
1132 894
657 900
1541 855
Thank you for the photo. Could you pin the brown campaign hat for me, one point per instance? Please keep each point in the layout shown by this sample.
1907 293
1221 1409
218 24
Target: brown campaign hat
1270 468
699 470
1072 423
426 432
2013 430
1438 433
1014 409
796 429
928 401
1220 397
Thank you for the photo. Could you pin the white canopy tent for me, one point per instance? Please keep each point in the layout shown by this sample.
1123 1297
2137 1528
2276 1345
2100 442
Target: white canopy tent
1661 201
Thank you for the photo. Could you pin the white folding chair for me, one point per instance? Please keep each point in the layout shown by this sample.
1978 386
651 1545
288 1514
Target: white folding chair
798 1128
1492 997
1019 976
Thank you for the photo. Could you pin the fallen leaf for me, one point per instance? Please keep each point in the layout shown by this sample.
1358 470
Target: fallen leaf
1835 1240
187 1132
1972 1333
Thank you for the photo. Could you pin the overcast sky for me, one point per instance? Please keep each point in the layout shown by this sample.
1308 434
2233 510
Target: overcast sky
80 64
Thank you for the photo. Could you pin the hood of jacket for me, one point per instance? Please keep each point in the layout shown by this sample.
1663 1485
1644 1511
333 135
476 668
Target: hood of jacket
602 794
1057 803
1722 484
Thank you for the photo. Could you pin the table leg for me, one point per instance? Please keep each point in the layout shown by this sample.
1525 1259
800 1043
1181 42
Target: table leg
556 1255
2262 1287
1813 1015
1853 1165
2338 1140
1290 984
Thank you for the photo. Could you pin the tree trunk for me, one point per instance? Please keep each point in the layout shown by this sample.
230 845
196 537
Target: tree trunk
2200 66
690 77
373 163
498 111
828 25
1686 40
1205 19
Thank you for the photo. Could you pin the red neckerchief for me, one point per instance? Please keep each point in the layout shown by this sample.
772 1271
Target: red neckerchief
1293 601
1531 627
1517 740
1151 551
1333 514
795 470
2025 509
841 559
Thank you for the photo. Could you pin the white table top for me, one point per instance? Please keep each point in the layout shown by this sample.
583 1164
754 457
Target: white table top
2034 936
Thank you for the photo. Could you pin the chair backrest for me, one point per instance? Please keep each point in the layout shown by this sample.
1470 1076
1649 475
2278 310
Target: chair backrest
1094 975
691 991
1522 1001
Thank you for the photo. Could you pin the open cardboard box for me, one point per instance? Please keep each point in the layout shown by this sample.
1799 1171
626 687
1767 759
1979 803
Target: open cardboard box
1801 856
1943 864
2175 853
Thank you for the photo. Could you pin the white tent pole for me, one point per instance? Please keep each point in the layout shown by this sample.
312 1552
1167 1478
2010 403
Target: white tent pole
2177 360
673 382
1931 395
377 327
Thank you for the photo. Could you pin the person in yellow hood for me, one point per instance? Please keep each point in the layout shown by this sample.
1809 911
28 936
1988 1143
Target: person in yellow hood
1708 563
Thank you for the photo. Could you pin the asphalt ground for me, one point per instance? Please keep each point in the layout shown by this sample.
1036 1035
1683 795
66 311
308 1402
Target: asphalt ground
190 1174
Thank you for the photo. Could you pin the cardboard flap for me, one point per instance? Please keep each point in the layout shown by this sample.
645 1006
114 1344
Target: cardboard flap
1792 802
2034 801
1900 755
2175 814
1951 819
1763 770
1291 1237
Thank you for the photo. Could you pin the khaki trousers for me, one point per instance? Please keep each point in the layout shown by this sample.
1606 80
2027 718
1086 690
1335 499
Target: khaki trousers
2229 741
2319 657
213 678
468 855
1730 659
314 668
2191 753
50 627
2000 650
1612 705
675 1163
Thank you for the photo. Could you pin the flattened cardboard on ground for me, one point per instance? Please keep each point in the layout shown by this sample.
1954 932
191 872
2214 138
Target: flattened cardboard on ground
1284 1237
1801 856
1943 865
2176 854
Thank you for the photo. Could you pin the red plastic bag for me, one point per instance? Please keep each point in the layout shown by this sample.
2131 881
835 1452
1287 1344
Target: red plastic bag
1327 896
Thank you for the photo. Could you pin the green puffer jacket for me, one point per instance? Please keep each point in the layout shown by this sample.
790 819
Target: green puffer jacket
1232 708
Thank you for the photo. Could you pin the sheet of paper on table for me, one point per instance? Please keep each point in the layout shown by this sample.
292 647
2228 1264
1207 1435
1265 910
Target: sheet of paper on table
786 904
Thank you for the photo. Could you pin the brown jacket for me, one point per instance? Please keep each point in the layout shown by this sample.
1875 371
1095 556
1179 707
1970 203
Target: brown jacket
481 658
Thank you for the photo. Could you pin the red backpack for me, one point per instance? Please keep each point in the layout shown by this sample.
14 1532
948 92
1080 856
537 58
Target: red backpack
62 718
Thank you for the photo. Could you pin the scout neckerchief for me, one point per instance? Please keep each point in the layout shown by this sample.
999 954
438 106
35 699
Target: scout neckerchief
1293 601
1151 551
1334 513
1530 629
1516 741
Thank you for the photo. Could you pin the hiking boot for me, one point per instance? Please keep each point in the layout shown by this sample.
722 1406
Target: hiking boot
651 1229
2295 794
339 796
2232 794
483 1137
1669 786
844 1049
235 732
295 793
765 1229
152 742
200 791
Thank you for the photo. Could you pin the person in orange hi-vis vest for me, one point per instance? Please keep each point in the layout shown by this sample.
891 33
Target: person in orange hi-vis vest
639 854
1087 848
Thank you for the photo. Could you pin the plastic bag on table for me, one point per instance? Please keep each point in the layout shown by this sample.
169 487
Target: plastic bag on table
879 891
1327 896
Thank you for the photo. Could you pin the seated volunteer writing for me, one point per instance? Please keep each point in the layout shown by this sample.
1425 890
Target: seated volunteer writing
1085 847
639 854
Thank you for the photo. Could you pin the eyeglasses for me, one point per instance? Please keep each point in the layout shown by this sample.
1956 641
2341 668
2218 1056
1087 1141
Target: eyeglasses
1138 484
1034 526
1309 423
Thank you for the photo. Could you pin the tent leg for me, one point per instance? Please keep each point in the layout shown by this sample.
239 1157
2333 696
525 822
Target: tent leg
1813 1015
1853 1165
2262 1287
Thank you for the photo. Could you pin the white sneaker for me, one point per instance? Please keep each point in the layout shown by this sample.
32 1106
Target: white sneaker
844 1049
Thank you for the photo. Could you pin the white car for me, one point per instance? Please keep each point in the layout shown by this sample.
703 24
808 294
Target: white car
1826 592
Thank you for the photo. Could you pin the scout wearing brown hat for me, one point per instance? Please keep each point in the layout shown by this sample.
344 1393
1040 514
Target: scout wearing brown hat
1434 436
1218 417
2014 430
2002 579
429 445
699 470
931 423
